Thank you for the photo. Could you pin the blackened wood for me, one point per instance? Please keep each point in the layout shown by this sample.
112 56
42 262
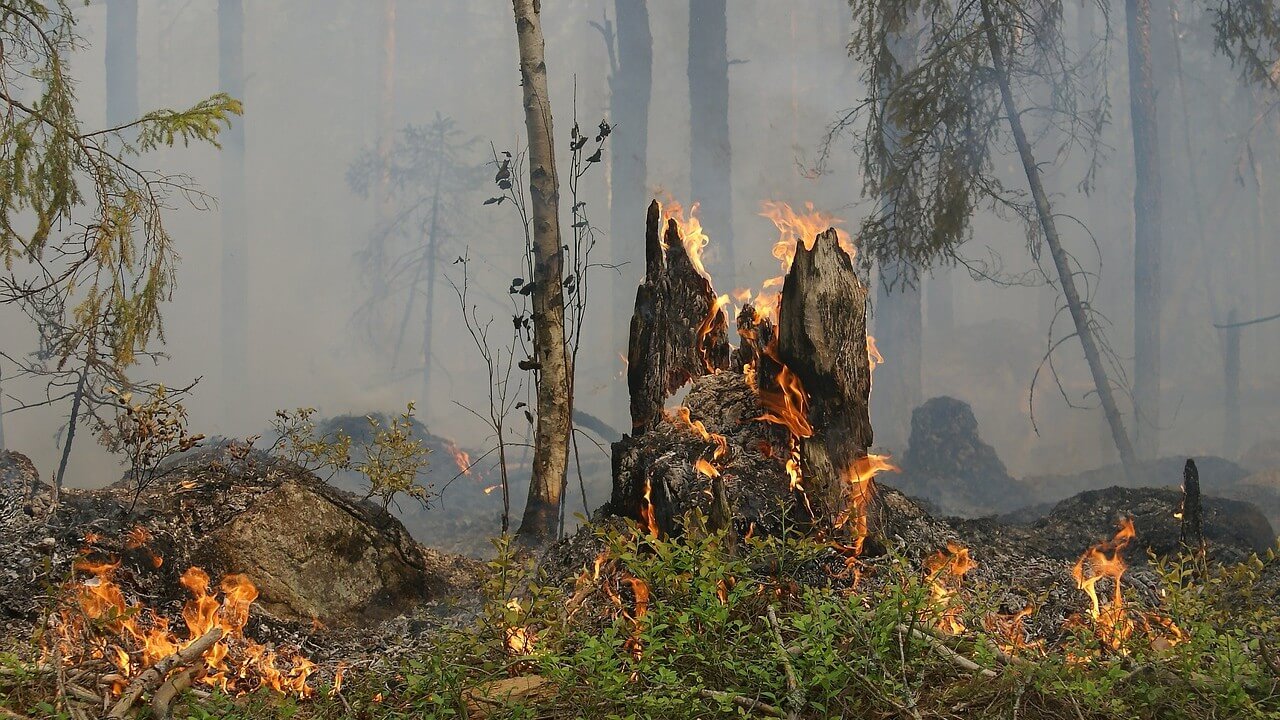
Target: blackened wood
1192 535
675 304
822 337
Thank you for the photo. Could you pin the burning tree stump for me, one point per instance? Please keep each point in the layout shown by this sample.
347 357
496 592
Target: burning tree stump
678 330
822 338
778 426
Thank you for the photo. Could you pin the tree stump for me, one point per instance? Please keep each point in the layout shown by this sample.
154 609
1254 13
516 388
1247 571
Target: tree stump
678 331
787 397
822 338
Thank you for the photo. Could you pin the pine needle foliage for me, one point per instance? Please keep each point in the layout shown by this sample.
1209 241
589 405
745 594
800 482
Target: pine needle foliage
81 223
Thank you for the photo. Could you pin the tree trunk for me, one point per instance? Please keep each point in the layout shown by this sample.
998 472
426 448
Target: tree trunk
122 62
386 136
71 433
898 333
822 338
1147 230
1231 388
1044 212
709 175
551 441
898 303
235 242
3 447
630 89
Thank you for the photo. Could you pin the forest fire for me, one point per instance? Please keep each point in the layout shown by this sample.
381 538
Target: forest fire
98 623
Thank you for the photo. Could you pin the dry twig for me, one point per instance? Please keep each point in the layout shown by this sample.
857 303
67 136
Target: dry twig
946 652
794 699
745 703
153 675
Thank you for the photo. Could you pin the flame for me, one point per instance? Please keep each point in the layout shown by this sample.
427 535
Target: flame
99 622
520 638
646 510
461 457
704 467
682 418
691 234
1009 630
1112 623
946 570
709 325
787 406
859 478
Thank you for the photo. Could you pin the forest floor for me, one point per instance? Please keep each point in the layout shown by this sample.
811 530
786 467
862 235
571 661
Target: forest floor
700 628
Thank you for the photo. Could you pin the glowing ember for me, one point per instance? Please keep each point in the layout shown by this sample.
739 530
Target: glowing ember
946 570
519 638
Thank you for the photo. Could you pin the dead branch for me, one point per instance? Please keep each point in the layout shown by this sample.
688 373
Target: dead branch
153 675
745 703
946 652
163 700
794 698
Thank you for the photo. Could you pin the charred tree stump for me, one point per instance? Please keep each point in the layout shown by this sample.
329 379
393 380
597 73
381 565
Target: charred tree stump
1192 531
678 332
822 338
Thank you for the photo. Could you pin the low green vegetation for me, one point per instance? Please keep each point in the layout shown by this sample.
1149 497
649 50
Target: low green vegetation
660 628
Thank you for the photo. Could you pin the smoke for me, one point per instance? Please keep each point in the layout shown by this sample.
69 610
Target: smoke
311 108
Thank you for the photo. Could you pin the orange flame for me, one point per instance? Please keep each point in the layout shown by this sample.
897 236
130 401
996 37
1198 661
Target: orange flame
691 234
646 510
461 457
1106 560
136 638
946 570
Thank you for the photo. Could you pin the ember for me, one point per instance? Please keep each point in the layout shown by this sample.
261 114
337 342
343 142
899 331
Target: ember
945 572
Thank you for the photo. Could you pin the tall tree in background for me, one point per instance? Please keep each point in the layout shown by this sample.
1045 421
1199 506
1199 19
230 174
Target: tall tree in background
630 89
386 135
933 133
898 308
121 57
91 261
235 241
1147 230
551 436
709 174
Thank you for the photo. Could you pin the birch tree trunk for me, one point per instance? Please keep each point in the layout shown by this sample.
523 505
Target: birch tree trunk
710 157
630 90
551 440
1147 230
235 243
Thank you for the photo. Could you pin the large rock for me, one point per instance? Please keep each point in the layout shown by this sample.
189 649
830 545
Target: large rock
315 553
949 465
